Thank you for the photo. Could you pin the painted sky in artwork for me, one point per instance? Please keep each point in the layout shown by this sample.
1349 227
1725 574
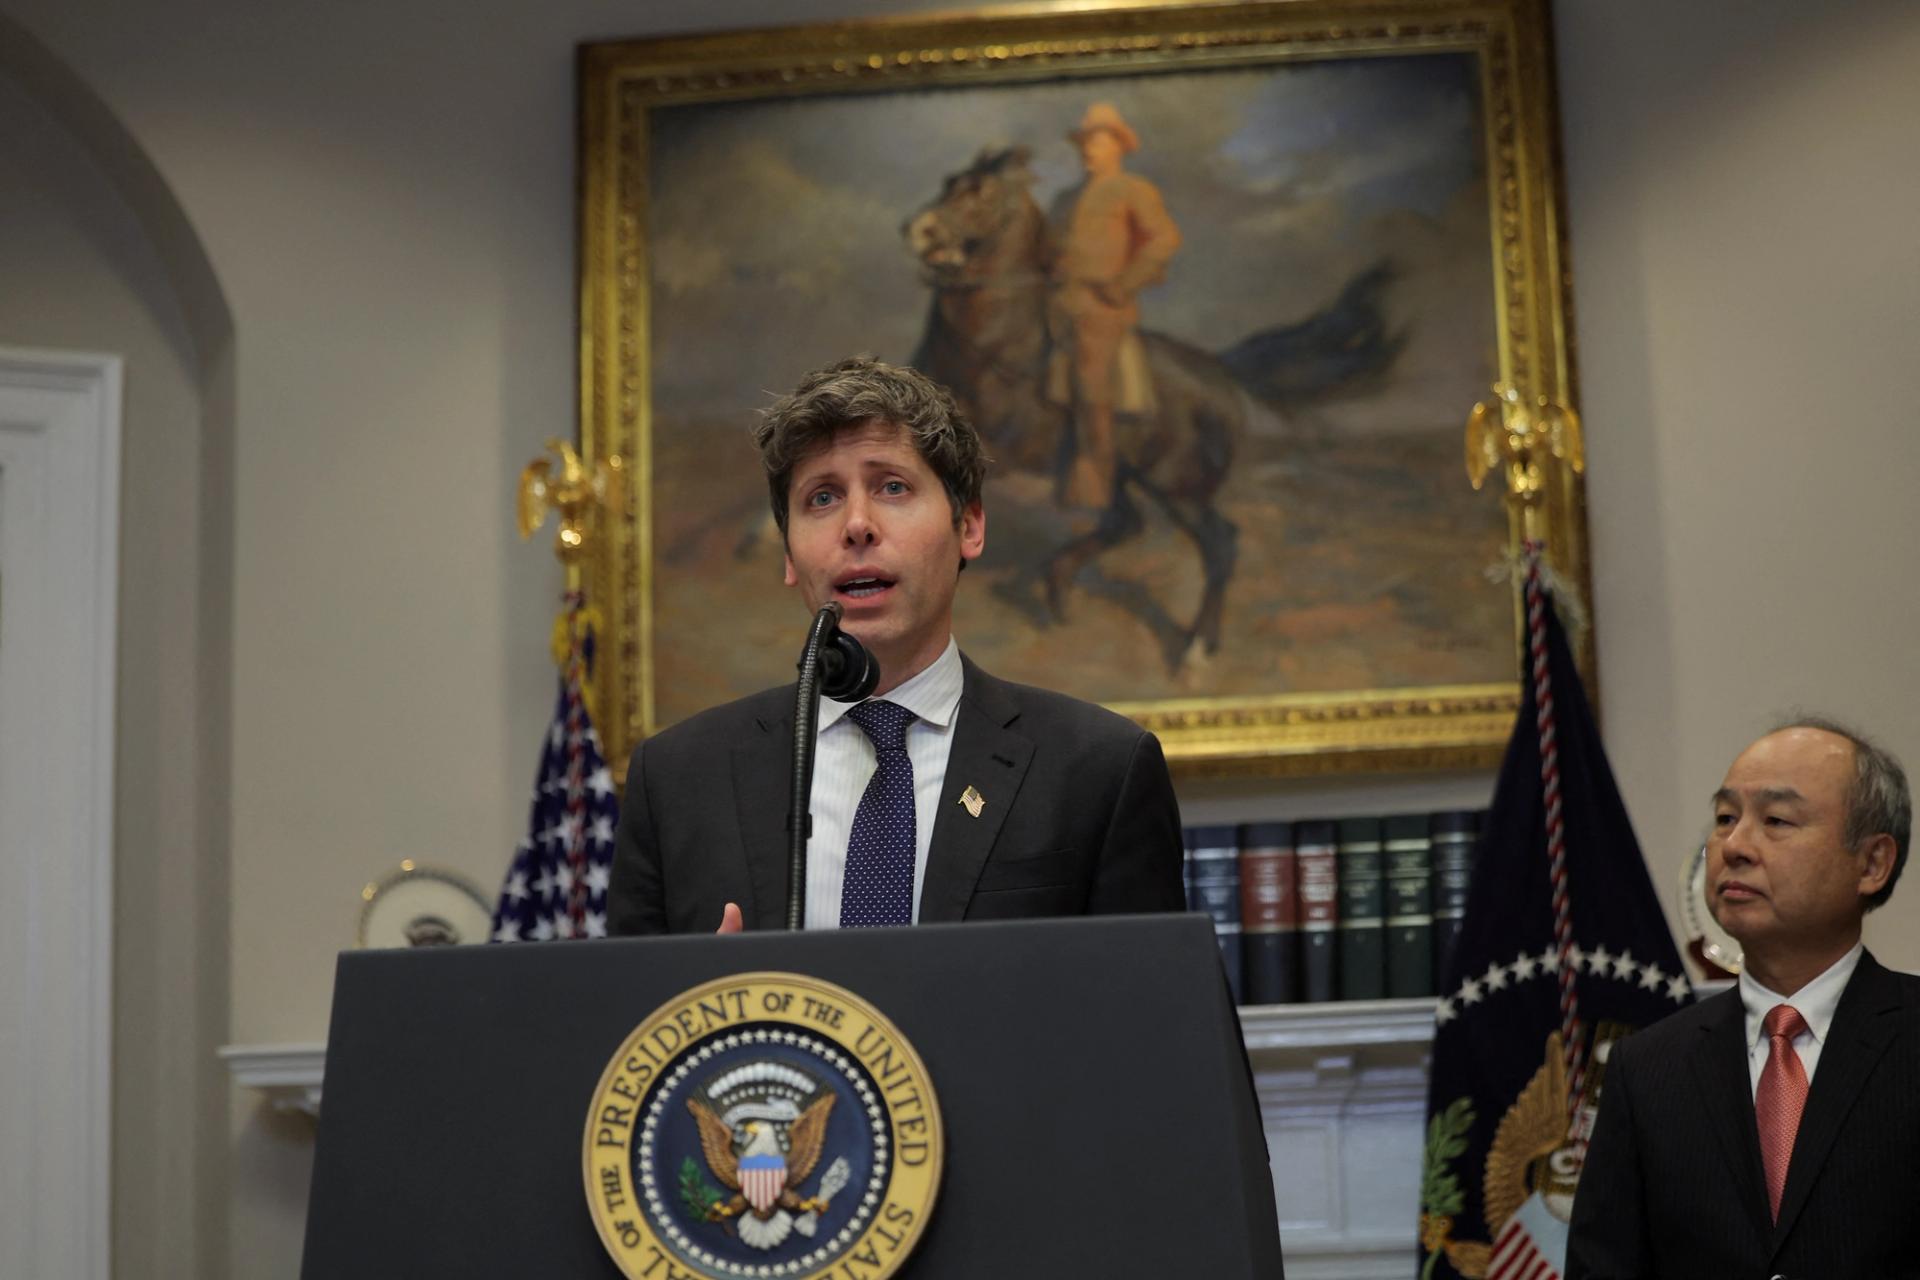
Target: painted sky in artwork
776 223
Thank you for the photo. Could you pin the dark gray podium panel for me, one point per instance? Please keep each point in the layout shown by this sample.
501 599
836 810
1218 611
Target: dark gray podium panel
1099 1114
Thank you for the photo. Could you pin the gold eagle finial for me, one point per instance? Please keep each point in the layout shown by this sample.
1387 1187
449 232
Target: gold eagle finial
1520 434
579 493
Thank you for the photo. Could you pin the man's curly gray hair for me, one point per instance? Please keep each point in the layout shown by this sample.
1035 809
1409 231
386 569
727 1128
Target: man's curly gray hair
1878 802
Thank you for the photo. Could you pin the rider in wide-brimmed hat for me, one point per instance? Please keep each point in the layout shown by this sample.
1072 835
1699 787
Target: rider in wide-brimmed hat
1114 237
1104 115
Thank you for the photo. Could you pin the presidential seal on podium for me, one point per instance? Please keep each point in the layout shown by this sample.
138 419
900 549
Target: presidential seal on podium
763 1125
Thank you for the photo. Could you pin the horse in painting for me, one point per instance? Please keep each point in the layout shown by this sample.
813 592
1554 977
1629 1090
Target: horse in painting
983 248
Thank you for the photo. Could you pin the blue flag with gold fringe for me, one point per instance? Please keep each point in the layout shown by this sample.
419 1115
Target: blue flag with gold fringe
1563 949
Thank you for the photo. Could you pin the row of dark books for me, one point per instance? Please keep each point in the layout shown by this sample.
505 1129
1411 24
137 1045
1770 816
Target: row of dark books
1336 908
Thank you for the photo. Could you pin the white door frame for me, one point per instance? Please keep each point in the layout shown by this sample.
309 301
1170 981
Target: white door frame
59 554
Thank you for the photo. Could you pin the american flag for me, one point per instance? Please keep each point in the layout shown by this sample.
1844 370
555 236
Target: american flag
557 884
1517 1254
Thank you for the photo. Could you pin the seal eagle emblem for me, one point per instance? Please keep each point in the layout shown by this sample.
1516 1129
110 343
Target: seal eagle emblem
762 1142
766 1125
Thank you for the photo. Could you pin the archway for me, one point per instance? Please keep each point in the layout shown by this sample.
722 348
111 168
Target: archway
105 258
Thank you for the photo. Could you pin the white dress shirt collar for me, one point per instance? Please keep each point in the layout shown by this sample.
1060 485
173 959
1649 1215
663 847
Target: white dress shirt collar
1816 1002
931 693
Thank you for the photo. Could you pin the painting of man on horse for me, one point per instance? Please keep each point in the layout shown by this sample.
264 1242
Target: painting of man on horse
1217 330
1033 325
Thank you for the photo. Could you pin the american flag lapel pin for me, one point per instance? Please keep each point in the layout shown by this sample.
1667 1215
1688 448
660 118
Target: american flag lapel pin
973 801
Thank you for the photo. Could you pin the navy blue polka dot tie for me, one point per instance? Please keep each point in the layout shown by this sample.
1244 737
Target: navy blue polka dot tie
878 889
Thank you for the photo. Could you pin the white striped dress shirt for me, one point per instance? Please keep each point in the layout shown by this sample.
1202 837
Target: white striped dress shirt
1816 1003
844 761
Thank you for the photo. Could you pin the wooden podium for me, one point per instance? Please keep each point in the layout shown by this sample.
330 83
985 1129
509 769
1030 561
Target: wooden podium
1099 1114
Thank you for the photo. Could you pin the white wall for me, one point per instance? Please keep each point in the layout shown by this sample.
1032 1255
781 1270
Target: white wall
386 194
1747 281
79 269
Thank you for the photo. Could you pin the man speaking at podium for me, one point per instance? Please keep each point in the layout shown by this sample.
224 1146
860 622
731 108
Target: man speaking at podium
948 795
1774 1130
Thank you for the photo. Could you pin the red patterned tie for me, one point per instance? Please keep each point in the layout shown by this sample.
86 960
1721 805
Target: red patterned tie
1781 1098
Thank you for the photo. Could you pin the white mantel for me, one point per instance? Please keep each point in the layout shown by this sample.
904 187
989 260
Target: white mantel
289 1074
1343 1096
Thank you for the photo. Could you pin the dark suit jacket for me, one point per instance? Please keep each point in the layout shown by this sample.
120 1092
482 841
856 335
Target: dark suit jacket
1080 815
1673 1184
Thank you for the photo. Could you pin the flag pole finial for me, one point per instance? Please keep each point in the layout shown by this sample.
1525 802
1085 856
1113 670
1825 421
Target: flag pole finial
557 881
580 493
1525 435
1519 434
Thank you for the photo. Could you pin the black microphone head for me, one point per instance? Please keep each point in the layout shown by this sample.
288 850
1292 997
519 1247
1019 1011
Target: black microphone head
848 672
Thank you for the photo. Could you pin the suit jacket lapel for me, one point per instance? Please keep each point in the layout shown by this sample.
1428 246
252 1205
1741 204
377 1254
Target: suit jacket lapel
1720 1068
1862 1029
761 785
991 757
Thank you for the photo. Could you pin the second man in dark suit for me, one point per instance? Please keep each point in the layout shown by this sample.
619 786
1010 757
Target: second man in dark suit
1774 1130
951 794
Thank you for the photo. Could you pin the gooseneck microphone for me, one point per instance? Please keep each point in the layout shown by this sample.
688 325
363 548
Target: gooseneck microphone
834 663
848 672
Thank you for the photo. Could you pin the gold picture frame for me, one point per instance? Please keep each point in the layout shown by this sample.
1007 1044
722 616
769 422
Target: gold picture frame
649 113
